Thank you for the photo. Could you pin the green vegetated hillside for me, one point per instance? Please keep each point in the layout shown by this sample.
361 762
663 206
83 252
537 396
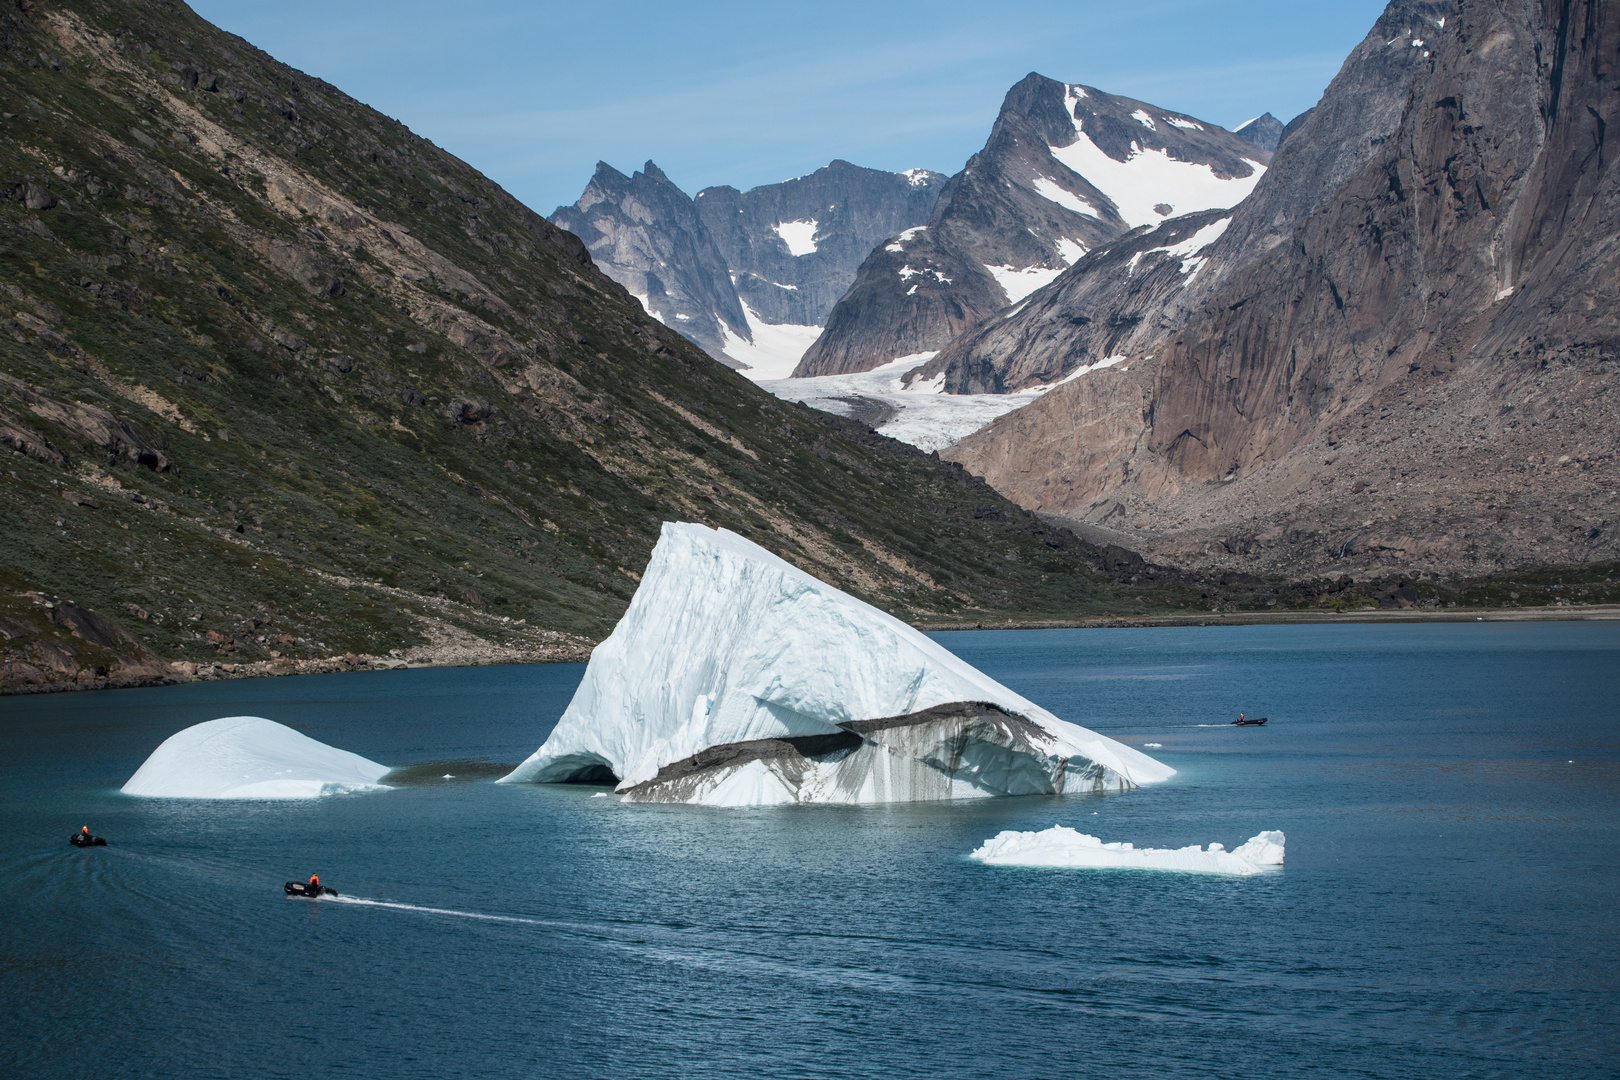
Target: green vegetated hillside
279 377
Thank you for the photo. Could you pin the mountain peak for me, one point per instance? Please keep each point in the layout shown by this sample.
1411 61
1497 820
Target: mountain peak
1264 131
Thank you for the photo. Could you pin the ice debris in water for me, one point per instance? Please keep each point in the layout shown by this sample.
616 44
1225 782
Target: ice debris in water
1065 847
249 757
735 679
1154 745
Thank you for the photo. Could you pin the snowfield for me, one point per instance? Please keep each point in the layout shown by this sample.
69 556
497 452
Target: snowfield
249 757
1061 846
736 679
1151 178
775 350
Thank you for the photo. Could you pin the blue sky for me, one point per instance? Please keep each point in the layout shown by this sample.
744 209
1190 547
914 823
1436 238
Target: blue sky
722 92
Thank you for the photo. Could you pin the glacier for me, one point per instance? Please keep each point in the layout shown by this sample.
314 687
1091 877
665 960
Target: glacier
1061 846
736 679
249 757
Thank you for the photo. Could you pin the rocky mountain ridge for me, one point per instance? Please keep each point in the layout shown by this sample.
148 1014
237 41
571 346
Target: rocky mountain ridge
1066 169
1119 300
1409 364
787 251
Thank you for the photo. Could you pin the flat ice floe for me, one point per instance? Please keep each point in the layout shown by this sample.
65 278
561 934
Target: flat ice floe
249 757
735 679
1061 846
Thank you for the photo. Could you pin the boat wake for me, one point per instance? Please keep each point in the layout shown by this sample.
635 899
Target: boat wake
480 916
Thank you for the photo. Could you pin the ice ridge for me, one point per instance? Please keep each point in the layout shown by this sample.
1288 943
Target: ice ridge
735 678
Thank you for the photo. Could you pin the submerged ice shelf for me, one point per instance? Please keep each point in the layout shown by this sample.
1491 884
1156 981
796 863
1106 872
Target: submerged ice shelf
1061 846
736 679
249 757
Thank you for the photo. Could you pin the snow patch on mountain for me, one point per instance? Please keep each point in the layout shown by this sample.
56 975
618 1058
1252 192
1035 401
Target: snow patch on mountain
799 236
1061 846
1020 283
1070 251
1151 178
1048 189
1198 241
1185 125
775 350
249 757
727 655
1141 117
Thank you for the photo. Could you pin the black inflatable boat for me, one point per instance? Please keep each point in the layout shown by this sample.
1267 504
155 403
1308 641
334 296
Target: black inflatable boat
308 889
84 839
1249 723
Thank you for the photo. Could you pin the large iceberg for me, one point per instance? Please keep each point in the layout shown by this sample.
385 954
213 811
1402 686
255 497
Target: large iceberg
249 757
1066 847
735 679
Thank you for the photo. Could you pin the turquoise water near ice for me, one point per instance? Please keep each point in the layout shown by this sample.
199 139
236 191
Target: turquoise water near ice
1451 797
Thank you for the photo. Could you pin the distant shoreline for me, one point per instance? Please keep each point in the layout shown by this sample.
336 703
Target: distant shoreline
1564 613
222 671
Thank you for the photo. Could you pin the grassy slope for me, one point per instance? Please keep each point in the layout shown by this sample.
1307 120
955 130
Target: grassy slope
390 402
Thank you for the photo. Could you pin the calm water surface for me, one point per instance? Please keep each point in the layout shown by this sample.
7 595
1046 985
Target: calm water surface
1451 796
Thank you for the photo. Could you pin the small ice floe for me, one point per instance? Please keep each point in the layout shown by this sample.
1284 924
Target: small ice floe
448 776
600 795
249 757
1154 745
1062 846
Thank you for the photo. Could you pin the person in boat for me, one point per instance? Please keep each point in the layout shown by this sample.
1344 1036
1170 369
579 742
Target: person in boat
1240 718
314 887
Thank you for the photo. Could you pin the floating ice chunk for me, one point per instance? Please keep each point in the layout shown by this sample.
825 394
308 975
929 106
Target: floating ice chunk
1064 847
1154 745
736 679
249 757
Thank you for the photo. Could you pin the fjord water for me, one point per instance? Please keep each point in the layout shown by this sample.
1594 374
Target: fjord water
1448 907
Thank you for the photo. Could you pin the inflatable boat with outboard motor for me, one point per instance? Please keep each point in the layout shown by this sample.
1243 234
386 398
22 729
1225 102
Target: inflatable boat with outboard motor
309 889
82 838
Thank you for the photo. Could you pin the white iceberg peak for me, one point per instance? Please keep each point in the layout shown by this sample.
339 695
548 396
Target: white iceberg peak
735 678
249 757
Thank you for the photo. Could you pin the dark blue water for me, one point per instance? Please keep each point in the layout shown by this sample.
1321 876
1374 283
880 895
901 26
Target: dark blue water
1451 796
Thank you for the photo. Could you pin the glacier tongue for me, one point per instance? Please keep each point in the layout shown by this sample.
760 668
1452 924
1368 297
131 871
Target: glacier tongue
249 757
737 679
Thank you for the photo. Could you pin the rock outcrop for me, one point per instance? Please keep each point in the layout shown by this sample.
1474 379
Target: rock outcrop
643 232
1066 170
1264 131
1410 362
